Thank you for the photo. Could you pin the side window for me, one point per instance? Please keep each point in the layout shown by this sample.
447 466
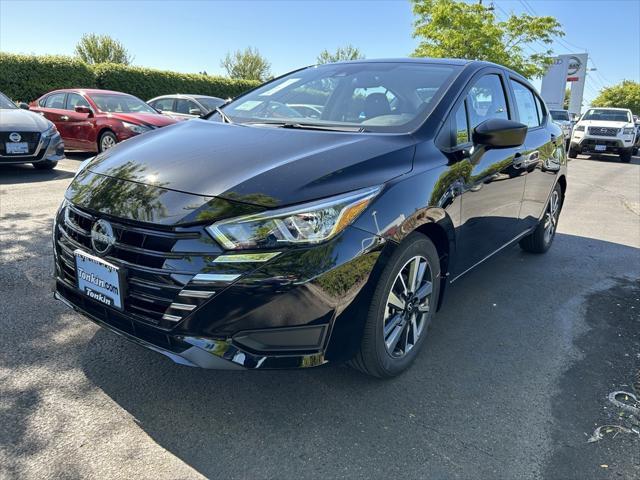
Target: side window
461 126
74 100
486 99
183 105
163 104
55 100
527 109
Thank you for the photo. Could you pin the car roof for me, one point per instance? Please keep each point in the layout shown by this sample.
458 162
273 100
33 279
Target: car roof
88 91
610 108
185 95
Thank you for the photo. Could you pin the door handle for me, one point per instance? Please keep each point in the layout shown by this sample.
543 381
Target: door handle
64 117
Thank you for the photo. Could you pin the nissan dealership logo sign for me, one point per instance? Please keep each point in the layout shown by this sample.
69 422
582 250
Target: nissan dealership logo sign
574 66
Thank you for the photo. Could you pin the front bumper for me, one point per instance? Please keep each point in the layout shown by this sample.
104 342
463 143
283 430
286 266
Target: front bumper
51 149
597 144
296 310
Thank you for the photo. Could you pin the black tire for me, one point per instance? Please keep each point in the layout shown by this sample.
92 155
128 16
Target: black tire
634 150
46 165
373 357
573 153
106 138
625 156
539 241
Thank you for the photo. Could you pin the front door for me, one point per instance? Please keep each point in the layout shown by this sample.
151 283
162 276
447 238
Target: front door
77 129
493 185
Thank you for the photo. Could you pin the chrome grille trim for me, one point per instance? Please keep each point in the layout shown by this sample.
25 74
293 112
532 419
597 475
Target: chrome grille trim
182 306
214 277
171 318
196 293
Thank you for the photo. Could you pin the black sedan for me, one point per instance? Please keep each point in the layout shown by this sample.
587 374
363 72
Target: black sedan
261 237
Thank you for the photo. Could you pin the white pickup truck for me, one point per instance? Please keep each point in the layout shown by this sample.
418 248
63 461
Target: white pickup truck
604 130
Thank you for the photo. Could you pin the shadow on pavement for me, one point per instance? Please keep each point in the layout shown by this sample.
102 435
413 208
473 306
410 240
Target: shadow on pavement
474 405
26 173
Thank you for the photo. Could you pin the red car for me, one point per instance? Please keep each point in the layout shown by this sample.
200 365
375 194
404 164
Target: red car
95 120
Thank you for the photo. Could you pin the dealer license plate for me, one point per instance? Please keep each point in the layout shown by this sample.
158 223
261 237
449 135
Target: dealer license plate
99 280
601 148
16 148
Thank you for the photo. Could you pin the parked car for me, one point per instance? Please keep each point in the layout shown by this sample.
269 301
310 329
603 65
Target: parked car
562 118
255 240
636 144
26 137
604 130
183 106
95 120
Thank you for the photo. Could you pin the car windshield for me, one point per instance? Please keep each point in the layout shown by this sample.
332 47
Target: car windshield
113 103
607 115
5 103
560 115
210 103
381 97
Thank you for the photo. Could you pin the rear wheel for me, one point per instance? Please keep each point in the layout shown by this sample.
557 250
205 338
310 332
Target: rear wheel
46 165
401 310
542 237
107 140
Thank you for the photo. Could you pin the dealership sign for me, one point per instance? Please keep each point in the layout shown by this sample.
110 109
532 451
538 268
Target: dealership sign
565 68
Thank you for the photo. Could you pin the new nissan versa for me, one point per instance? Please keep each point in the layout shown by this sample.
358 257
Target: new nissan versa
264 236
26 137
95 120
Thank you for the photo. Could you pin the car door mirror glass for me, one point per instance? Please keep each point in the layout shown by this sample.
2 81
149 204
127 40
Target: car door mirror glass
83 109
499 133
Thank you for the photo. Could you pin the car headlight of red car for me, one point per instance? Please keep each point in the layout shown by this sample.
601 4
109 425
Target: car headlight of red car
136 128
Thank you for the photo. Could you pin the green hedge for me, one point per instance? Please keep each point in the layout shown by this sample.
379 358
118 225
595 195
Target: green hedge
147 83
26 77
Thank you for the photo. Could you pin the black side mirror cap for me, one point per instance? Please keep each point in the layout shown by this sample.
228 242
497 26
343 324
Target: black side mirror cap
23 106
500 133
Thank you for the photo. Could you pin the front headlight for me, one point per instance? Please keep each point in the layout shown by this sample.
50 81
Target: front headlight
580 128
309 223
628 131
136 128
50 132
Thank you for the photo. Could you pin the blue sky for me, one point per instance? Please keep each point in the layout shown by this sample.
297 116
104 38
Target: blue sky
190 36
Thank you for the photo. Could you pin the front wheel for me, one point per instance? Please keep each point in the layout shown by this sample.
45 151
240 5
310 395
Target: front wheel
625 156
106 141
573 153
403 304
45 165
542 237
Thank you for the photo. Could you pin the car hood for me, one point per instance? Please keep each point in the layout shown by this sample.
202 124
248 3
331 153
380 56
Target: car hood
22 121
263 166
602 123
153 119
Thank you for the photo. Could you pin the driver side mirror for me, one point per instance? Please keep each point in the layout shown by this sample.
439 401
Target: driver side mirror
500 133
195 111
84 109
23 106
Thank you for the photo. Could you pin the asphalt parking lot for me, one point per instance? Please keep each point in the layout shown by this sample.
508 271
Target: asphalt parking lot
512 382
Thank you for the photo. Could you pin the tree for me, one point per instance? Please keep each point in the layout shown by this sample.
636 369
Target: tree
94 48
450 28
341 54
623 95
247 64
567 98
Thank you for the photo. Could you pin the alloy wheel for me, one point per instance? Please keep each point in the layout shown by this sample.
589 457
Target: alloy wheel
408 305
551 217
107 142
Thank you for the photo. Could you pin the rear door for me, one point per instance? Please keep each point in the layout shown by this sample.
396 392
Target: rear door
78 128
164 105
543 154
52 108
492 188
184 107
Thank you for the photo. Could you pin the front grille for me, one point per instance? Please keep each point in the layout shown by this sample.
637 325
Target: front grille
604 131
32 139
158 264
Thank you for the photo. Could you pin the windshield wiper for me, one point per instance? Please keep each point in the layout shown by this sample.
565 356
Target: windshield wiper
310 126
